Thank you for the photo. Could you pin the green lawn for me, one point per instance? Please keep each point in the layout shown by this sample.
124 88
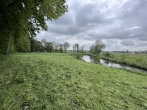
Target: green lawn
53 81
132 59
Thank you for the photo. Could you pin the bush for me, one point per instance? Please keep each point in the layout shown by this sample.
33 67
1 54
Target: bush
78 55
107 54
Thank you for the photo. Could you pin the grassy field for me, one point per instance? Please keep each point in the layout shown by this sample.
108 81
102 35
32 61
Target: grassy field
139 60
47 81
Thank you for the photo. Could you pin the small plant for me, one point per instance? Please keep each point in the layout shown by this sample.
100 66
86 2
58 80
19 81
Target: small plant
78 55
19 78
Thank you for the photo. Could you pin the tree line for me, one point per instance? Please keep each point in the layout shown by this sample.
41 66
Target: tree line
33 45
43 45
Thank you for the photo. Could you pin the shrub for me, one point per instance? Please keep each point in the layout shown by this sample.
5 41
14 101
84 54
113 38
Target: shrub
107 54
78 55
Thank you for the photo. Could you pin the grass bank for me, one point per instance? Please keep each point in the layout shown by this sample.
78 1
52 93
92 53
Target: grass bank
136 60
44 81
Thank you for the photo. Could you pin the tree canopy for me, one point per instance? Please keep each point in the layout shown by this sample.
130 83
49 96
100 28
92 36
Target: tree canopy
24 18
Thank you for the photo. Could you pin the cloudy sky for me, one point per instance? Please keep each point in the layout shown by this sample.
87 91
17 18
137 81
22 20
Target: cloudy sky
121 24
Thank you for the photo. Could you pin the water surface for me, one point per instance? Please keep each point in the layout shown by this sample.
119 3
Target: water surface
108 63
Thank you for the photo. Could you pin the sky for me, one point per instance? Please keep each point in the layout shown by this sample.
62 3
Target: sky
120 24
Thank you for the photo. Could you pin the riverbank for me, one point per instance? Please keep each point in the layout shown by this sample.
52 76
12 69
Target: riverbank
134 60
59 81
109 63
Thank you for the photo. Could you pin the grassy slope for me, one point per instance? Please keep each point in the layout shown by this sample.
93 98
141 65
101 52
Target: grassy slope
133 59
45 81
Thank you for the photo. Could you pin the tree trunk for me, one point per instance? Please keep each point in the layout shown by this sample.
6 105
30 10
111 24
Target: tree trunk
8 45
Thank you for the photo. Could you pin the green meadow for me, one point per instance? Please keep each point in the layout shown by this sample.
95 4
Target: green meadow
139 60
57 81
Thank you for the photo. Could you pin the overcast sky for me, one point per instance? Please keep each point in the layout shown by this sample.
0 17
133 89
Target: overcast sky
121 24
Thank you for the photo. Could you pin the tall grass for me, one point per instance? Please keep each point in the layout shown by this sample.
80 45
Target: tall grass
42 81
139 60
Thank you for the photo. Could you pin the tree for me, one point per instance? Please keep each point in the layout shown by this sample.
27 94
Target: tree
97 47
61 48
66 45
27 16
56 47
49 47
82 48
22 44
76 47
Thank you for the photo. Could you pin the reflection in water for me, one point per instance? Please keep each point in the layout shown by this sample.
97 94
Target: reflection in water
107 62
97 60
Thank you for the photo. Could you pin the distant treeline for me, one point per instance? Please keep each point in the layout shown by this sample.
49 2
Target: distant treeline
27 44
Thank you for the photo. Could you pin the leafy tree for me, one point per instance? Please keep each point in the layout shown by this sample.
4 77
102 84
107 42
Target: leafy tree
36 45
22 44
56 47
76 47
61 48
49 47
82 48
27 16
97 47
66 45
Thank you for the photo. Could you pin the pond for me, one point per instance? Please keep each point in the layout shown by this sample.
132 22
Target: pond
108 63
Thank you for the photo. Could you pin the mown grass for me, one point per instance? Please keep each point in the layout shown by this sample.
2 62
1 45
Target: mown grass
139 60
51 81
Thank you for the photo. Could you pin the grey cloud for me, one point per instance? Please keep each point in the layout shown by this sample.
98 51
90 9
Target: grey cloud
127 43
108 20
88 14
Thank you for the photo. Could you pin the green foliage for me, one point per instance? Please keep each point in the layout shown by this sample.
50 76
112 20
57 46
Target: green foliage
61 48
49 47
97 47
107 54
95 59
76 47
22 44
66 45
24 18
78 55
51 81
140 59
36 46
131 59
123 57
